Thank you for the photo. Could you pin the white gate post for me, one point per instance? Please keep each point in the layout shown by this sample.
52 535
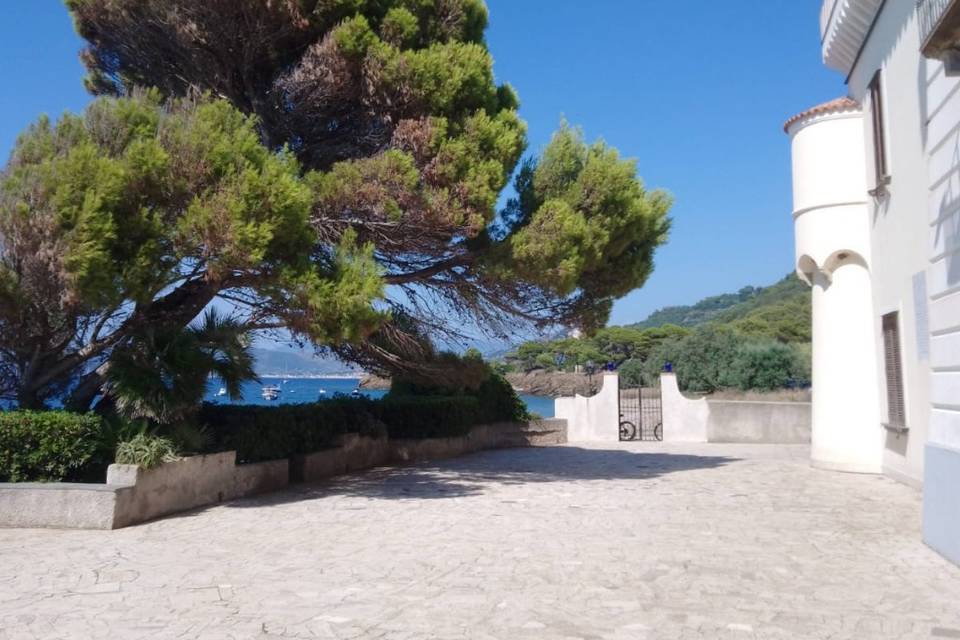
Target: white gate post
595 418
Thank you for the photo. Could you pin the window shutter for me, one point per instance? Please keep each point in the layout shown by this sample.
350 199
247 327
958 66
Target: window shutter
893 365
881 172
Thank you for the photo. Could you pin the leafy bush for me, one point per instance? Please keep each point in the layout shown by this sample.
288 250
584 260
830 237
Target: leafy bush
499 402
46 446
632 372
713 358
703 360
469 377
763 366
269 433
417 417
146 451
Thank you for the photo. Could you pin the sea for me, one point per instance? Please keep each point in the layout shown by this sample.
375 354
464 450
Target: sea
301 390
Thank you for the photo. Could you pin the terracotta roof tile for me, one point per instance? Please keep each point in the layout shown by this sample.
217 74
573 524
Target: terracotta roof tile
834 106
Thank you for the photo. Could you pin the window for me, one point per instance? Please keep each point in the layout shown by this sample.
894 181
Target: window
881 173
893 364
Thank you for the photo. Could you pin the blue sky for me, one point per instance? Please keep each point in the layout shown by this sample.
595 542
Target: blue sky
696 91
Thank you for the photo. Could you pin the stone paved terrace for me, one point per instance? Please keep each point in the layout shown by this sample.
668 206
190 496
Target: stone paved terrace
633 541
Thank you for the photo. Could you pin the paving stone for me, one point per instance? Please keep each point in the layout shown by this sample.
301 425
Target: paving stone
628 541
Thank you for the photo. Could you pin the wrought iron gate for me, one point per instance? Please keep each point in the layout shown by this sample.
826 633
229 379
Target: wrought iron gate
641 413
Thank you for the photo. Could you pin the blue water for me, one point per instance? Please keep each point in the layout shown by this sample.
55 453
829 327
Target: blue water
300 390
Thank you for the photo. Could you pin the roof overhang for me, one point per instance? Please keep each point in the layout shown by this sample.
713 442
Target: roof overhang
844 28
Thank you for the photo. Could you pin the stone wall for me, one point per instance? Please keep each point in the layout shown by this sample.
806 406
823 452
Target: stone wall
701 420
758 422
359 452
188 483
133 495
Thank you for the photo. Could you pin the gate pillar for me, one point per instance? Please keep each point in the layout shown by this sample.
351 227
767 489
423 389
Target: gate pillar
595 418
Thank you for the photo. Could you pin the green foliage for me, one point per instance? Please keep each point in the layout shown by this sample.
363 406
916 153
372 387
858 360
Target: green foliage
715 357
632 373
468 377
779 312
407 142
612 344
417 417
133 217
499 402
583 222
46 446
764 366
162 374
269 433
701 360
756 339
703 311
146 451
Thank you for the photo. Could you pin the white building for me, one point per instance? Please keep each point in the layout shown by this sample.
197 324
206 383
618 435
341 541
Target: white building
877 221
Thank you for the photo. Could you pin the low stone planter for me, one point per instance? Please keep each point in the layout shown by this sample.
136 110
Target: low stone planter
189 483
133 495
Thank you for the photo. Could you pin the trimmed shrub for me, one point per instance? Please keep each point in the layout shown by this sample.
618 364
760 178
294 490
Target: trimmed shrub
417 417
499 402
46 446
496 399
146 451
269 433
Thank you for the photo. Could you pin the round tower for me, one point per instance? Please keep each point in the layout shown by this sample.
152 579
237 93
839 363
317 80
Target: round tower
832 229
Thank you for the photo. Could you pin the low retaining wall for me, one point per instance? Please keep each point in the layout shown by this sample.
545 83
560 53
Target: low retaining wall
758 422
356 452
189 483
58 504
701 420
133 495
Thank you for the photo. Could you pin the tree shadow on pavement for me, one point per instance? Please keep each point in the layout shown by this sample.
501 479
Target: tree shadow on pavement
476 473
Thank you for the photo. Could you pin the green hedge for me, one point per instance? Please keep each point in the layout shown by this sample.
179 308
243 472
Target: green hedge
269 433
47 446
415 417
272 432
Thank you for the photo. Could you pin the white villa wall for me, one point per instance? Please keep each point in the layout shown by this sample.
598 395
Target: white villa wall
915 238
940 110
898 239
941 117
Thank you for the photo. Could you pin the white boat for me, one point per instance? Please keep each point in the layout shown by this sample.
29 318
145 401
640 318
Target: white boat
355 393
323 392
222 392
270 392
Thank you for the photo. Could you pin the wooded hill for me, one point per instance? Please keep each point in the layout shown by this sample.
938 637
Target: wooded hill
780 311
755 339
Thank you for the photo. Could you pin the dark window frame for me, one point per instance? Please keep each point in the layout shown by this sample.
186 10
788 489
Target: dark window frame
881 167
893 372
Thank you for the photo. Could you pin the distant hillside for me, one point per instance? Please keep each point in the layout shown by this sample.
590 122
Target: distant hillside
274 363
780 311
699 313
